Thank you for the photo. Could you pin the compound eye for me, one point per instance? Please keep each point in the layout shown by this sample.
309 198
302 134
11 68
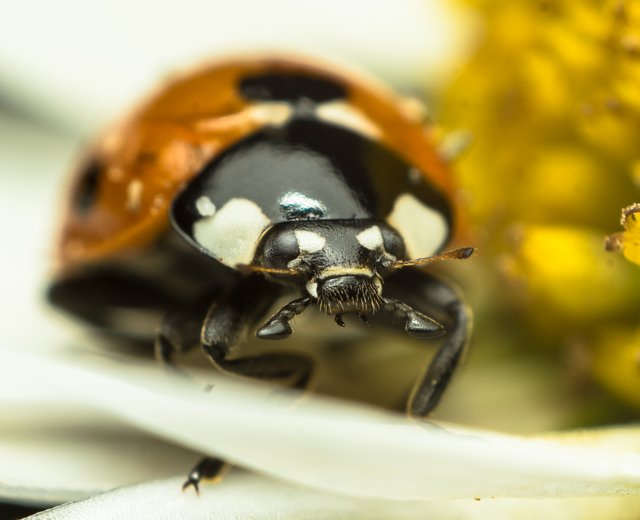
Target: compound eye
392 241
279 248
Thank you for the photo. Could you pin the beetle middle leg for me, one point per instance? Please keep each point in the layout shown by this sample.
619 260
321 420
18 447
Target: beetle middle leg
179 332
433 297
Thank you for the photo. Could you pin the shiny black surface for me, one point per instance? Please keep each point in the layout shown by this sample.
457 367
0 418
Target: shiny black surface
341 246
86 191
307 170
288 86
14 511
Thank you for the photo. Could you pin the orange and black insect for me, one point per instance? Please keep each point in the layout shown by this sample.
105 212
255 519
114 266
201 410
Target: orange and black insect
247 180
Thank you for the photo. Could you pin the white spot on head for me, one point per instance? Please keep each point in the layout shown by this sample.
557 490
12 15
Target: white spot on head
205 207
423 229
309 242
343 114
231 235
370 238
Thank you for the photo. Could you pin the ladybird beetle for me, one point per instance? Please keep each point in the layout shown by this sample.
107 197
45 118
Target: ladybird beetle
246 180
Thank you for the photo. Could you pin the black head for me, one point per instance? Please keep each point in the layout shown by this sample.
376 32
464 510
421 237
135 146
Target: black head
340 263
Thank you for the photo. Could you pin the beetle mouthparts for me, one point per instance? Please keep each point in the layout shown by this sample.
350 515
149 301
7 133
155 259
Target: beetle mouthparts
340 294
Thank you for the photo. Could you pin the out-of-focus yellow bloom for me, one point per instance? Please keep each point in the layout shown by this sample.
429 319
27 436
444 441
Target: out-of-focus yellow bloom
567 268
627 241
616 362
552 98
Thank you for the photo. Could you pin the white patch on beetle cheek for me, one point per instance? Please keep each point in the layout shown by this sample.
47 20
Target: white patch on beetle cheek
294 263
341 270
232 233
312 288
309 242
423 229
370 238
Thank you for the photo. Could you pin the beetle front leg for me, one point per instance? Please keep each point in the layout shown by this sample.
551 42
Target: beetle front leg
227 319
415 323
277 327
433 297
224 324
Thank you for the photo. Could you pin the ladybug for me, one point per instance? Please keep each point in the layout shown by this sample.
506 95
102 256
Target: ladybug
248 180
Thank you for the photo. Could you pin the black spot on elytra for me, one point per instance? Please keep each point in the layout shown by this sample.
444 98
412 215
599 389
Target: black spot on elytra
290 87
86 191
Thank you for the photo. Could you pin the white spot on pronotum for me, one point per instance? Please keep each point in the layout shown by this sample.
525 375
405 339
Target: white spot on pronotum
423 229
232 233
309 242
370 238
205 207
134 194
343 114
275 113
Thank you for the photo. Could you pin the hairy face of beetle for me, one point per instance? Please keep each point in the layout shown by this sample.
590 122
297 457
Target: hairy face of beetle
340 263
349 293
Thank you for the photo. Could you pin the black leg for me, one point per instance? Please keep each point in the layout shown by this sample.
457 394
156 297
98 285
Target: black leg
225 322
293 370
180 331
415 323
433 297
112 300
208 467
277 327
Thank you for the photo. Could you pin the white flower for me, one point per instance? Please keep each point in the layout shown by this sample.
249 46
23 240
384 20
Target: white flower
319 455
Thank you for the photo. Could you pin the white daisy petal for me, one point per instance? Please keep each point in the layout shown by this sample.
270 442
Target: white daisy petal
332 446
246 495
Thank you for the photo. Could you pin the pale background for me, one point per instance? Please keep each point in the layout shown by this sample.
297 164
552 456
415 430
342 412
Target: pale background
70 66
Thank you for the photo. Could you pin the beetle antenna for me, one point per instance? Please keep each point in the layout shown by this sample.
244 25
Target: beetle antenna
251 268
456 254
